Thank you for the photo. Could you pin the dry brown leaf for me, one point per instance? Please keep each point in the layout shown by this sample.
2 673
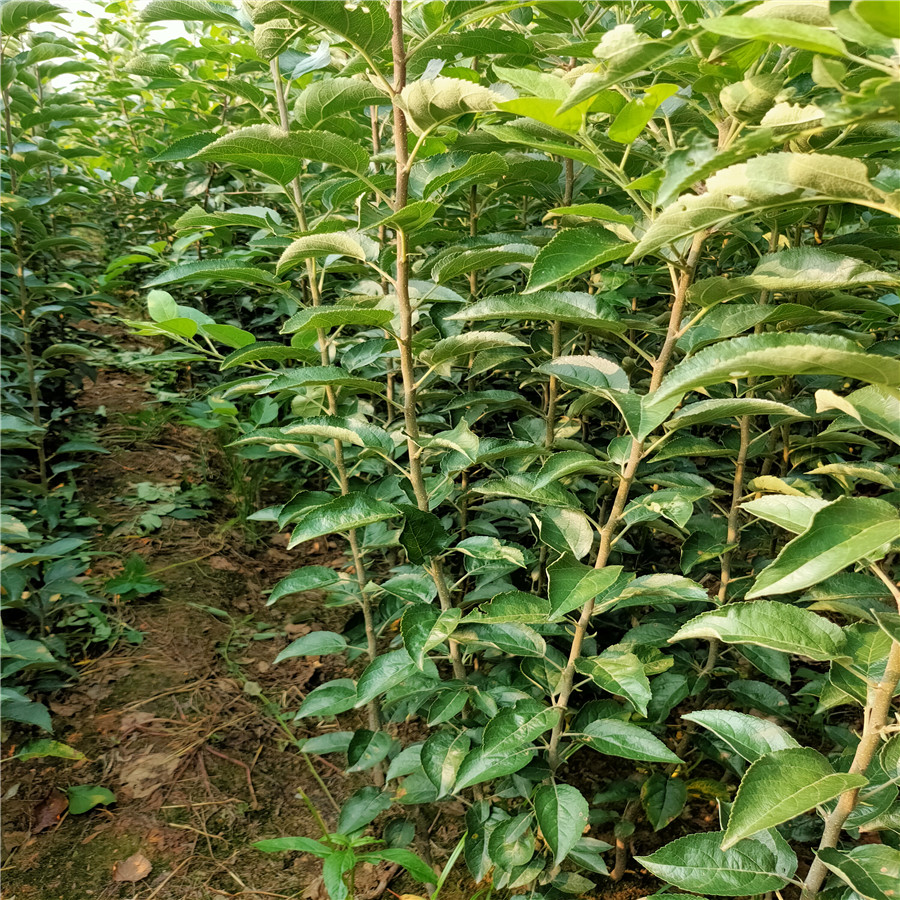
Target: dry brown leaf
316 890
15 838
66 709
134 868
48 812
142 776
132 720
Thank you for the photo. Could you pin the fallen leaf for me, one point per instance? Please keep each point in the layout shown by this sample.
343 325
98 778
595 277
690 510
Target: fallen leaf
15 838
98 691
222 564
48 812
134 868
142 776
316 891
132 720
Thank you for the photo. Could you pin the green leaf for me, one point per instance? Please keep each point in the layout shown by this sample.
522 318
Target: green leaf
511 843
547 111
572 252
84 797
288 844
481 258
248 216
473 42
696 863
442 755
366 27
329 699
217 270
530 134
314 376
546 306
592 211
336 866
383 673
767 623
663 798
354 432
661 588
777 31
349 243
406 762
435 102
880 15
423 535
188 11
17 15
480 766
367 749
619 673
316 643
889 623
46 747
257 351
780 786
872 870
776 354
875 472
844 532
353 510
635 115
572 584
512 606
408 860
789 512
423 628
515 728
562 814
28 712
594 374
330 742
332 96
566 531
751 737
186 147
800 269
309 578
762 184
470 342
329 317
410 217
875 407
477 168
715 410
280 155
361 808
228 335
617 738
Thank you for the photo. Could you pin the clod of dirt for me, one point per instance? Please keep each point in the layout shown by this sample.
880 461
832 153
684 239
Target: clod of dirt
134 868
48 812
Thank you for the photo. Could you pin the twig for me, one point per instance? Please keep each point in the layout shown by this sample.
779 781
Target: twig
217 837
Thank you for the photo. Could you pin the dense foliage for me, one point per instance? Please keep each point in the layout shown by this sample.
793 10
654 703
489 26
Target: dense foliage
577 322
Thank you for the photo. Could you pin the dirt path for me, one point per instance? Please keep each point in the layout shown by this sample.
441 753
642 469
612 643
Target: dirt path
177 725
